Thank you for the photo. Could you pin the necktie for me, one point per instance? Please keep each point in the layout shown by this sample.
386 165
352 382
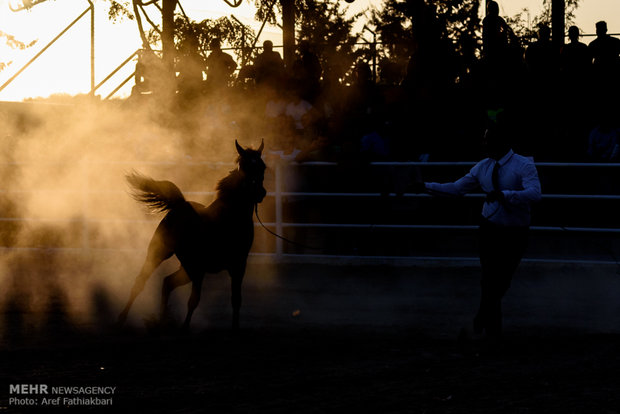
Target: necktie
495 177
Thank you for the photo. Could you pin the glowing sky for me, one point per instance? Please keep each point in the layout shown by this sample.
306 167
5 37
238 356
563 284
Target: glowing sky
65 67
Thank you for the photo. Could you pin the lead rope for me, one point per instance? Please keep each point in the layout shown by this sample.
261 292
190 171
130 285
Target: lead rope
282 237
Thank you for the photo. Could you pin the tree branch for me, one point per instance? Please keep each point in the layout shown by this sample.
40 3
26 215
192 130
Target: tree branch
136 12
148 19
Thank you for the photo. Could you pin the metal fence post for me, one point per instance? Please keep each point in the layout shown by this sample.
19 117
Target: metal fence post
278 207
85 201
92 48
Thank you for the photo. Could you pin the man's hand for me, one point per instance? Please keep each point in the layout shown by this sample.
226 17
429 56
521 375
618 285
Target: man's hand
494 196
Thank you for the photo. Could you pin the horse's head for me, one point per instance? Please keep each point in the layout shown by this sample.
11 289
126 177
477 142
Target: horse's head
252 167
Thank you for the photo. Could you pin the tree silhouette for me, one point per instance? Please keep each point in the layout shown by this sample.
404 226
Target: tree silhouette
325 25
330 33
526 29
154 13
13 43
450 27
227 29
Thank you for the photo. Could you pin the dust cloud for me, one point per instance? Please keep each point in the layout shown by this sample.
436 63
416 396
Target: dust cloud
72 240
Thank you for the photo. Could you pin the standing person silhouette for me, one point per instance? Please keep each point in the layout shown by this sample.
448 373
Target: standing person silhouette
511 184
575 58
268 66
220 66
605 49
540 56
190 66
496 37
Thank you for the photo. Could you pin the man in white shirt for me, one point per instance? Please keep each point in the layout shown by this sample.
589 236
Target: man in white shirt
511 184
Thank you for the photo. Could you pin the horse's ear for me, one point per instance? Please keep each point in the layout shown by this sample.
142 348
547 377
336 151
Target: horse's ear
262 146
240 150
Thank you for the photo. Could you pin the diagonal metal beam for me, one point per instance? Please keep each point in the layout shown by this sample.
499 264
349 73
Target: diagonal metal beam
19 72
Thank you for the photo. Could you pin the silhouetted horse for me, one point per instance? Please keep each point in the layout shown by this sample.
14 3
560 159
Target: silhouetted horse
204 239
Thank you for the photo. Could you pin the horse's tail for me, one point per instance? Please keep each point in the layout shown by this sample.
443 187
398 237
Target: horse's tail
160 196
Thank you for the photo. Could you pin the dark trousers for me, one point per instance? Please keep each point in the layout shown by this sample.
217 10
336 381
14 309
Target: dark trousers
501 250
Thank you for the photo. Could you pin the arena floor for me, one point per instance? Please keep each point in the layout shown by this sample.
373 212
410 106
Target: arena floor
319 338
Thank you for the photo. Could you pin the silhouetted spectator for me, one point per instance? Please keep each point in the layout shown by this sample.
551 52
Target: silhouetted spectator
498 77
390 72
604 147
576 64
604 140
220 66
574 121
268 66
543 85
275 104
319 149
146 69
496 35
575 58
540 56
286 143
432 65
190 67
375 143
270 120
306 72
362 91
332 98
150 75
361 102
299 110
604 49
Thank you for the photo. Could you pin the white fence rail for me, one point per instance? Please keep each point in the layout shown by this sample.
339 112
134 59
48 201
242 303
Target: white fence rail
279 193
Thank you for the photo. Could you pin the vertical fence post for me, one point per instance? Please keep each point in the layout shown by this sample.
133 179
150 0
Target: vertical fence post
278 207
374 58
92 48
85 201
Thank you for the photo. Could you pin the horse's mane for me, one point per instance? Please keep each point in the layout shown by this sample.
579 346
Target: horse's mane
227 187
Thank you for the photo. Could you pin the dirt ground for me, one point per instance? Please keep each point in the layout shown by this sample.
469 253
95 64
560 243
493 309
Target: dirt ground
321 338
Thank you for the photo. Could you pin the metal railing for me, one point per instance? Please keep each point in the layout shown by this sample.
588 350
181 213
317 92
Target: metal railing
91 9
279 225
279 192
114 72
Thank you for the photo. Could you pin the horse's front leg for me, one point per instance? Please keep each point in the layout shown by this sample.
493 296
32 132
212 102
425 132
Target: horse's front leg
236 278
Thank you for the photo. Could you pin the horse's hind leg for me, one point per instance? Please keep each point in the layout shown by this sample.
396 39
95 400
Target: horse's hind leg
171 282
154 257
236 278
194 299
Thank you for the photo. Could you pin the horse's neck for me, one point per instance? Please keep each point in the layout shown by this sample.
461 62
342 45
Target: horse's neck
231 200
231 207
